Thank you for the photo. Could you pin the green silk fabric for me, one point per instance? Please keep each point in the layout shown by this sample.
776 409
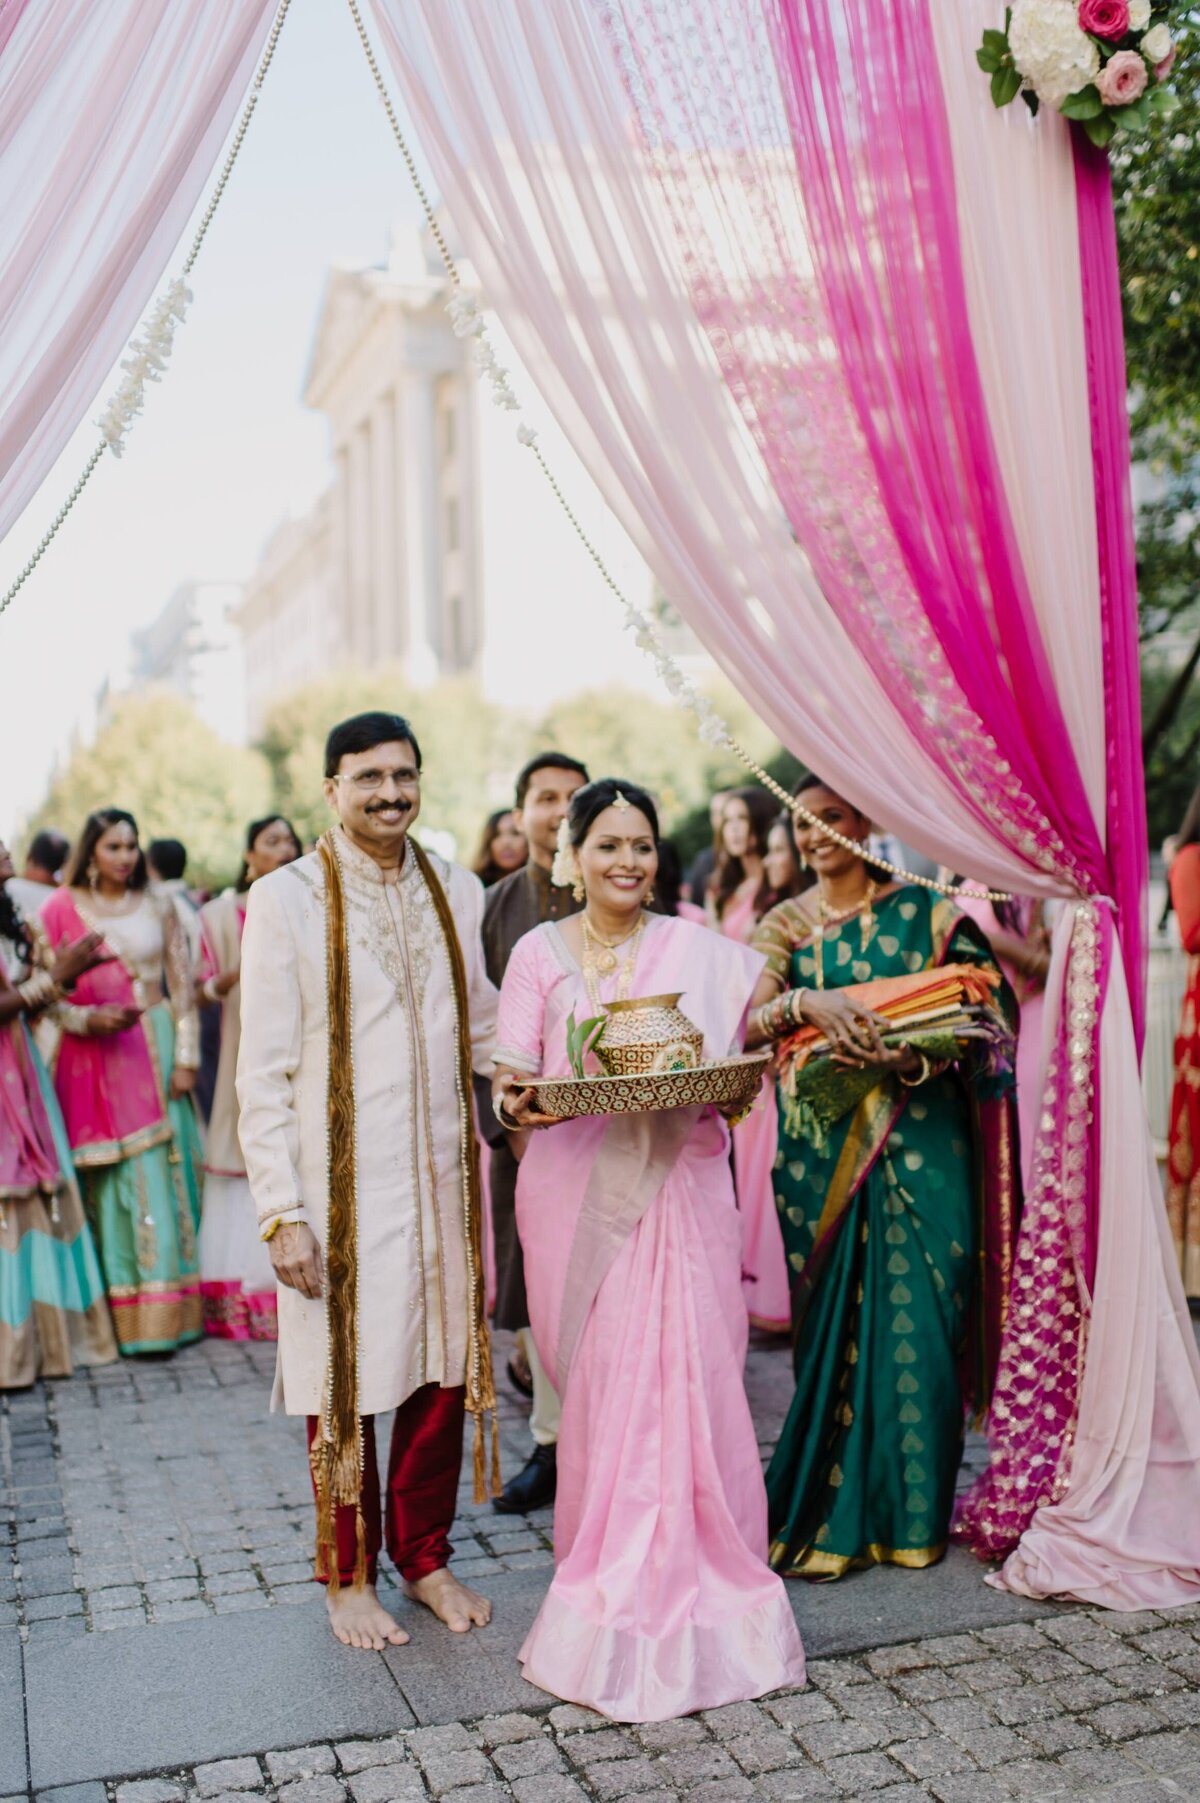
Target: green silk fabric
883 1269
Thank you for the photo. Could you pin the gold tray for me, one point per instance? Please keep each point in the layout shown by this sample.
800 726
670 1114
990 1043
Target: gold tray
731 1083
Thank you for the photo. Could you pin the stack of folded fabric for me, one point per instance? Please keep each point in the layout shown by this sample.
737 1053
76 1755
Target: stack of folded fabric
937 1012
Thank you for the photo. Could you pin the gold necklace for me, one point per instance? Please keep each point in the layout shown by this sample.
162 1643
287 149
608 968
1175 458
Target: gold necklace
836 918
600 960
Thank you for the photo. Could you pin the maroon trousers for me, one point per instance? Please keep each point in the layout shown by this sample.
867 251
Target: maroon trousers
422 1487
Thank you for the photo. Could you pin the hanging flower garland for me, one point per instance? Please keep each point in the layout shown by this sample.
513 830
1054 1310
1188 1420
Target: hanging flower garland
1103 63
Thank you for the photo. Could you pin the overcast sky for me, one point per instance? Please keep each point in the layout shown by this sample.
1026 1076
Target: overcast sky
224 448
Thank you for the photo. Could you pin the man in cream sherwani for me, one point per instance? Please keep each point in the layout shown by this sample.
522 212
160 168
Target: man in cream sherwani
365 1005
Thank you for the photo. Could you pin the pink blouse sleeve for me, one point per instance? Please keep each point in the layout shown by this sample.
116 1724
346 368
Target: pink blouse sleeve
522 1009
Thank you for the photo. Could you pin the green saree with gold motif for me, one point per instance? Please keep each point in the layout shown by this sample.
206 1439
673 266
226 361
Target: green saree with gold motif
898 1231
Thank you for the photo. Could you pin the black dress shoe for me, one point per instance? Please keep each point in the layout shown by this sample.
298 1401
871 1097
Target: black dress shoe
532 1488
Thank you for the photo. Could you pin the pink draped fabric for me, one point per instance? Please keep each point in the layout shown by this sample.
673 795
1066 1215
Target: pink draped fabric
111 118
662 1601
856 439
108 1088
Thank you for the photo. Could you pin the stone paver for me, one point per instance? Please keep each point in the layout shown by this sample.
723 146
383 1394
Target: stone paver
155 1501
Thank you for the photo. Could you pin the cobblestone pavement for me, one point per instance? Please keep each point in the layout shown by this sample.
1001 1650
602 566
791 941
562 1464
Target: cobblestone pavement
1085 1707
158 1498
153 1492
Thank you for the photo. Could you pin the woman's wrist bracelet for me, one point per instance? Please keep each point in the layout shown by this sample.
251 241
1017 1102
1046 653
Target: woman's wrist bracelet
922 1075
505 1119
39 991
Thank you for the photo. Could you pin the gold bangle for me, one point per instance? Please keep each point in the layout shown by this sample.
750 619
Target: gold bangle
270 1232
922 1076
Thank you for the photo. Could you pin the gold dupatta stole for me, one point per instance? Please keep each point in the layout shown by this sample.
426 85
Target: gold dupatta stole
337 1450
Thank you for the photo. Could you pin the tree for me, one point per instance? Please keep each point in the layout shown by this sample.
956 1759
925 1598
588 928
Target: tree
620 732
468 746
1157 197
156 758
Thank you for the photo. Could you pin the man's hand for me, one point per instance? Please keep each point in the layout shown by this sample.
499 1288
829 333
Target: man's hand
183 1082
296 1257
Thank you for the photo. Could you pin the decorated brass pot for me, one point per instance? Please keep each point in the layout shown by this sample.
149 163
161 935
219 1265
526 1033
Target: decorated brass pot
648 1034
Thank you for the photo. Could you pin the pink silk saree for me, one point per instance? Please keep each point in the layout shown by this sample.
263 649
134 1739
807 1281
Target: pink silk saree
109 1089
662 1602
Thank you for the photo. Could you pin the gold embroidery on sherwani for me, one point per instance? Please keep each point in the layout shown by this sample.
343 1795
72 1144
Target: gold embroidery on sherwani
481 1391
337 1448
337 1451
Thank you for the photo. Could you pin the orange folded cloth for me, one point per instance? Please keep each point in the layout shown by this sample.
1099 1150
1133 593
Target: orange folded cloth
927 993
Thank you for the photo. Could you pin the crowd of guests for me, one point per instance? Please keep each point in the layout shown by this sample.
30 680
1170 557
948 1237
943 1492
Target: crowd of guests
126 1224
125 1221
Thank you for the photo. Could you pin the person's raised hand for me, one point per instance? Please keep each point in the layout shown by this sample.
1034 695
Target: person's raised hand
70 961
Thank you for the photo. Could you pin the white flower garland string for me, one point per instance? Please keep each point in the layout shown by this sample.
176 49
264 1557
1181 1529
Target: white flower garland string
467 322
150 349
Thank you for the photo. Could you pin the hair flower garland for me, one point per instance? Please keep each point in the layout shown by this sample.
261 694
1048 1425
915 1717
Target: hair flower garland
1103 63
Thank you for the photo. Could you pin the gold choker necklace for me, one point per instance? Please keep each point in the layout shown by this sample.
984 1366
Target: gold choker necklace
830 917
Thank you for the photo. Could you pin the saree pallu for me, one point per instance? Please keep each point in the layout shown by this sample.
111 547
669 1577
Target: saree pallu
899 1233
53 1316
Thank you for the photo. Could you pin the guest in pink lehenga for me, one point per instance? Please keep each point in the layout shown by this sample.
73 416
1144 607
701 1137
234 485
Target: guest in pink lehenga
740 893
662 1602
237 1283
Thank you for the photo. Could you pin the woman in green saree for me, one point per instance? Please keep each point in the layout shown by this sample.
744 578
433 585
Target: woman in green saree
898 1222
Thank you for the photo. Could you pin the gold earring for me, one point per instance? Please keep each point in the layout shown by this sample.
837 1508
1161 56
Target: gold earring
648 899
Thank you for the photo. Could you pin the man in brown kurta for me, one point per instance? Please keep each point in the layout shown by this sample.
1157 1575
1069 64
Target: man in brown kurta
513 908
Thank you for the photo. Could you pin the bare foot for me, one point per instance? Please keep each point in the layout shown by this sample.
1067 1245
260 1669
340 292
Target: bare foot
461 1609
358 1618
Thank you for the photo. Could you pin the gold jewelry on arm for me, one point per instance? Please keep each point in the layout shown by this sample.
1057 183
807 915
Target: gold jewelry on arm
506 1120
39 991
287 1217
923 1075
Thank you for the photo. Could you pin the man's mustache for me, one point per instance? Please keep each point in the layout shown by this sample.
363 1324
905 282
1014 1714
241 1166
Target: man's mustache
377 807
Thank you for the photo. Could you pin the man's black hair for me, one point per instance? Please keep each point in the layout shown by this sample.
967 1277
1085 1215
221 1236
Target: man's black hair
169 858
49 850
363 731
546 760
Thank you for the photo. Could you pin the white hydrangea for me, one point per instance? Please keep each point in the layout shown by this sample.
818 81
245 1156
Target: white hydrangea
1139 15
1054 55
1156 45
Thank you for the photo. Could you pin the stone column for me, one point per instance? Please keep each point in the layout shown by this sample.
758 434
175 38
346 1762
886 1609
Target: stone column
417 458
358 512
387 598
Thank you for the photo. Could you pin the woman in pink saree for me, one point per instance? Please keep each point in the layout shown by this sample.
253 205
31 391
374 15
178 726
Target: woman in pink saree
662 1601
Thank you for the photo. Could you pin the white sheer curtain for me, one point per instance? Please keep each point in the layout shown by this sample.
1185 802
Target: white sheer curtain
112 115
523 117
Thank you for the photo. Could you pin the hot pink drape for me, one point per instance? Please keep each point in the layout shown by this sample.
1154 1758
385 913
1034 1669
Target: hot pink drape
111 118
744 249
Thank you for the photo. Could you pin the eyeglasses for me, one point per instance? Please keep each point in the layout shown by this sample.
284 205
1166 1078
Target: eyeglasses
405 777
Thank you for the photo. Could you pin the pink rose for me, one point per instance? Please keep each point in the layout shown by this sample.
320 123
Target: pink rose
1163 69
1123 79
1105 18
